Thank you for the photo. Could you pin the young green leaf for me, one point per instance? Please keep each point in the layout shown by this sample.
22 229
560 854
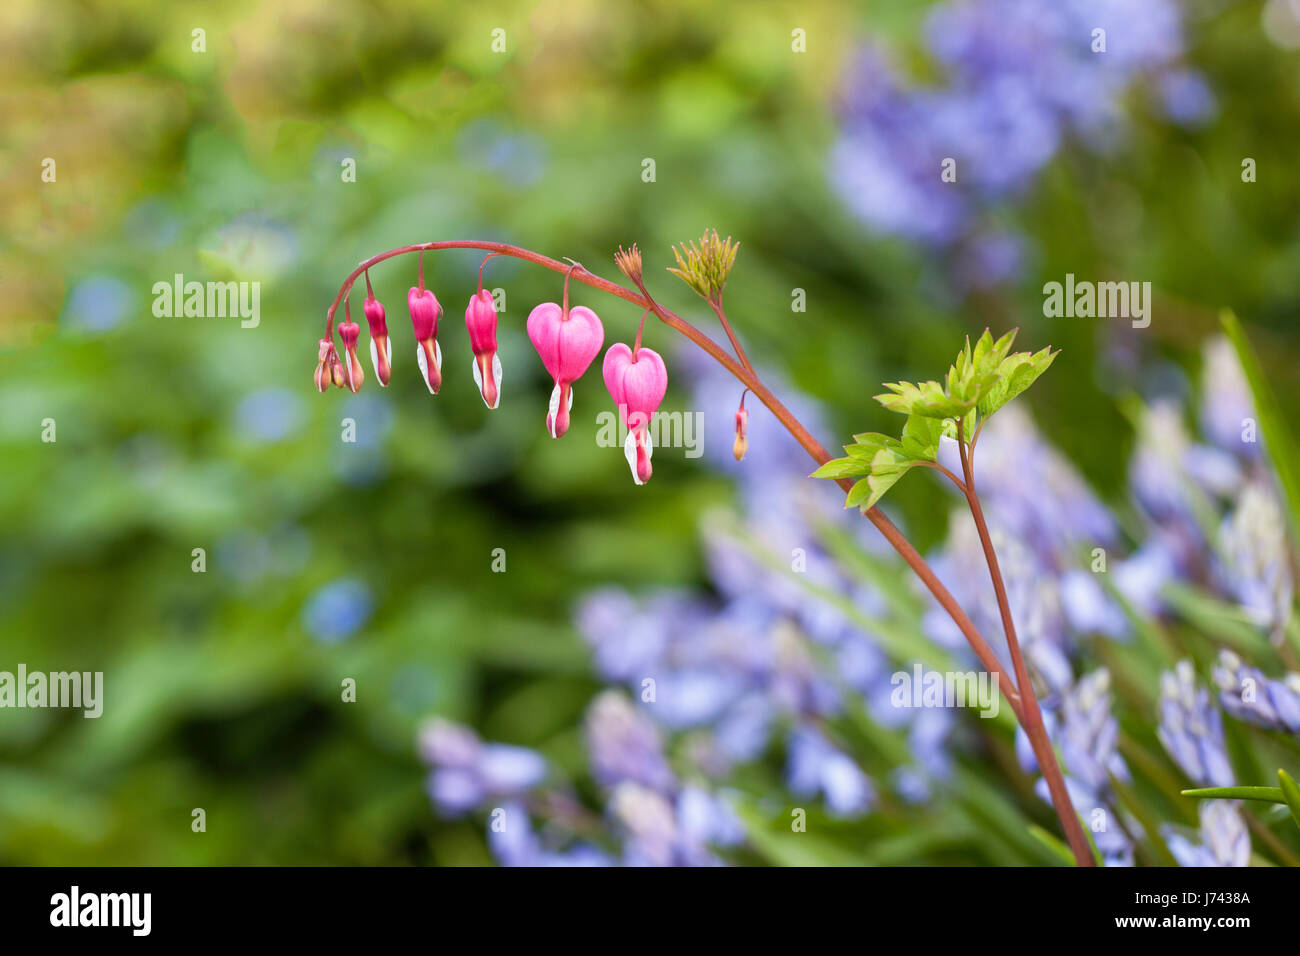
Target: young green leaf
838 468
1015 374
1261 794
926 399
858 493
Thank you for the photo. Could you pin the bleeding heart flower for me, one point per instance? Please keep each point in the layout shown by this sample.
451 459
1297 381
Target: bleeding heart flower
637 381
424 319
481 321
380 347
567 340
349 332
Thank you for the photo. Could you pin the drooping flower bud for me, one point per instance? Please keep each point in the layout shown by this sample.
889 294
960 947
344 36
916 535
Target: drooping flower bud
741 445
349 332
567 341
637 381
337 374
325 359
381 348
481 321
424 319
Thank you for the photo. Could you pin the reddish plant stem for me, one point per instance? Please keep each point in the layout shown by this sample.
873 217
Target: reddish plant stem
640 330
735 342
1032 717
810 444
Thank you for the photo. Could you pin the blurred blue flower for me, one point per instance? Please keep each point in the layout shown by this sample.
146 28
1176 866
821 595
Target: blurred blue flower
1246 694
1186 98
1256 553
467 772
622 744
1081 726
1227 410
1017 80
1225 839
1191 729
337 610
514 843
97 304
519 158
815 767
268 414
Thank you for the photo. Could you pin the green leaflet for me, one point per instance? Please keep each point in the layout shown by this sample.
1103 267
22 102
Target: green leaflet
1015 374
983 378
1261 794
927 399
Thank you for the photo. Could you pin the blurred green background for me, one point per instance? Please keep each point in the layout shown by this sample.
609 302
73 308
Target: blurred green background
223 687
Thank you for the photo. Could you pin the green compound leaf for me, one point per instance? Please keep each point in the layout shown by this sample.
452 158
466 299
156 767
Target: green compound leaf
984 377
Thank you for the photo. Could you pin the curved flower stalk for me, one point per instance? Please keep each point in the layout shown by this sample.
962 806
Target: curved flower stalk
982 380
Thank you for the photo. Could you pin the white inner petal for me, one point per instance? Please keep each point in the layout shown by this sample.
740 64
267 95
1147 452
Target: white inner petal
629 452
553 409
374 357
424 366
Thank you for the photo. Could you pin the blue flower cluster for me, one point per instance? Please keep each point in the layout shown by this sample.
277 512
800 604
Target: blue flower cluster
1017 80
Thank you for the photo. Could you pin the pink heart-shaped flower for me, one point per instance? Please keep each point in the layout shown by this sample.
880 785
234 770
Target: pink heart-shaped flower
567 345
637 384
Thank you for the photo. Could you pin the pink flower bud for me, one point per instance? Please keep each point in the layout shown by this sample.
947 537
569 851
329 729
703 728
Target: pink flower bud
741 445
567 344
424 319
380 346
481 321
349 332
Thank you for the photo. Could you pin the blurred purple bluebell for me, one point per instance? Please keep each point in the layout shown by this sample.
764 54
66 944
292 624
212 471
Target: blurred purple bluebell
1016 80
622 744
1256 557
1225 839
514 843
1191 729
1227 409
817 768
467 772
1246 694
1081 725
